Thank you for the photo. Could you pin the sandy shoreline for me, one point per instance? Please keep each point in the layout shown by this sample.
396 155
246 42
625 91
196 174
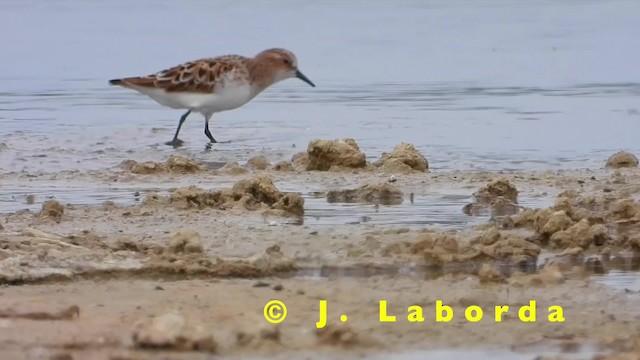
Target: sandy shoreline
205 248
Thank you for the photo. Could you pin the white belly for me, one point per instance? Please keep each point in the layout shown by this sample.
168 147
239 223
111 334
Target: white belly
229 97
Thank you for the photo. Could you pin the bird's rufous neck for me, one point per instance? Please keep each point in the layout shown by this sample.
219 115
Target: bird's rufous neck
260 73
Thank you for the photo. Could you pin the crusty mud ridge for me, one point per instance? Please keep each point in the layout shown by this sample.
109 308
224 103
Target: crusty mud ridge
184 269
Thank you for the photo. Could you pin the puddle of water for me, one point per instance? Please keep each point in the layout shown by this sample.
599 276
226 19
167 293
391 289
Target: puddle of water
423 211
441 210
621 275
627 281
414 271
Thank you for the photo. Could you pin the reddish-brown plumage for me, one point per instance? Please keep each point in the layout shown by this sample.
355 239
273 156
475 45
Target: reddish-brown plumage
208 74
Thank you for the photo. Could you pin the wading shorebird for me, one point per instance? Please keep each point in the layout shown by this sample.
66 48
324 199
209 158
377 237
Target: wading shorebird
212 85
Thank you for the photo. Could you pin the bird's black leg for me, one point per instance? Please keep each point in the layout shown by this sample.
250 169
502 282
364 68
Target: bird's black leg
177 142
206 129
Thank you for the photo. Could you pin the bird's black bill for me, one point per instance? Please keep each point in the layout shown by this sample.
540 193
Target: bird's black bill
301 76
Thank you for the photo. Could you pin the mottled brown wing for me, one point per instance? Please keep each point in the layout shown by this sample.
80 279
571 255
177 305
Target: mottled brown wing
199 76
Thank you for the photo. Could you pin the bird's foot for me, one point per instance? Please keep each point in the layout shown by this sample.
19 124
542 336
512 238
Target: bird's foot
175 143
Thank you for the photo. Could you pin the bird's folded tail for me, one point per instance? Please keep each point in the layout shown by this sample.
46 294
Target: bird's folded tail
135 82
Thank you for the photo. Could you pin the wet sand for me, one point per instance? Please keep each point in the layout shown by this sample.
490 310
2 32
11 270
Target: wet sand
183 263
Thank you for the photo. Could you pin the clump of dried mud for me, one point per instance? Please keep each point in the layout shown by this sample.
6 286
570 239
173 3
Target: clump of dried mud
34 256
374 193
403 159
345 154
500 197
259 162
171 331
497 188
325 155
257 193
233 168
185 241
176 261
174 164
582 221
622 159
492 246
52 210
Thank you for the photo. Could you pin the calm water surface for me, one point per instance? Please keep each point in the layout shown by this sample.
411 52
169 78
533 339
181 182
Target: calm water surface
475 85
496 85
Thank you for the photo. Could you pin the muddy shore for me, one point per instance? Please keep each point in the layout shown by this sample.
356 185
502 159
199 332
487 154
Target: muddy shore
186 265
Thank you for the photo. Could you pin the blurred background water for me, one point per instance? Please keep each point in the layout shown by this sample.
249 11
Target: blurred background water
494 85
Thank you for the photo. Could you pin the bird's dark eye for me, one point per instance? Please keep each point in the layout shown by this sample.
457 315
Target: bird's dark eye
286 61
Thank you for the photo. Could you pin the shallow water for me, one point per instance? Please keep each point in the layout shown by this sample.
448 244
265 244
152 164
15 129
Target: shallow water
620 276
442 209
627 281
496 85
